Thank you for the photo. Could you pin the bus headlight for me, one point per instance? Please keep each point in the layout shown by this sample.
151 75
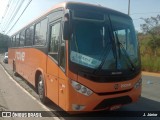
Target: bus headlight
138 83
81 89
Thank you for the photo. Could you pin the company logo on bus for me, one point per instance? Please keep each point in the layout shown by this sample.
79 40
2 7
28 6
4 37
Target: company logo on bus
116 86
20 56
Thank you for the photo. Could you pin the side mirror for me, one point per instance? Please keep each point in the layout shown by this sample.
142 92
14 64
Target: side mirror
66 27
66 31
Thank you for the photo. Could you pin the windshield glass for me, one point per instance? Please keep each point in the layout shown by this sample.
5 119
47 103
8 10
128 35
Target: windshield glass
108 44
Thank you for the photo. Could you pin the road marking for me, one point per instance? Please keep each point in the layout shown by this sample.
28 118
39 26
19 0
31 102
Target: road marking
43 106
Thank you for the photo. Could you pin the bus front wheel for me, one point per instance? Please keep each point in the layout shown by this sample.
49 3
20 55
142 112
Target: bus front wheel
41 90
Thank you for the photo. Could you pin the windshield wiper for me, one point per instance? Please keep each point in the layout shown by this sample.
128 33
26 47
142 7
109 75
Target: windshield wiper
106 51
124 51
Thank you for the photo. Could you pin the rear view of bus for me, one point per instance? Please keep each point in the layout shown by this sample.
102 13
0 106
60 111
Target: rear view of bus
103 58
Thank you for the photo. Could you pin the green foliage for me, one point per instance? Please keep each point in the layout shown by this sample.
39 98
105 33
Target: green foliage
4 43
149 41
152 44
150 63
151 27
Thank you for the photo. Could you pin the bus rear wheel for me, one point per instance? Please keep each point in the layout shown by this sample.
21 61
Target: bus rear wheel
14 69
41 90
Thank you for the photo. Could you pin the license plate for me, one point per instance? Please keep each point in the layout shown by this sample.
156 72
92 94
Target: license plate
114 107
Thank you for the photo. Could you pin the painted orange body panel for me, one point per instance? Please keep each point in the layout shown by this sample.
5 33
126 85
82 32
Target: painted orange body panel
93 100
35 60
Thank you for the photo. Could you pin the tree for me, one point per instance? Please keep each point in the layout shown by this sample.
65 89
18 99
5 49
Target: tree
4 42
152 27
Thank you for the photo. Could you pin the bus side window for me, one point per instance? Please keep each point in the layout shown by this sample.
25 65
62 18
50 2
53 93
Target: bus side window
22 38
41 32
62 55
54 40
17 40
37 34
29 36
13 41
11 44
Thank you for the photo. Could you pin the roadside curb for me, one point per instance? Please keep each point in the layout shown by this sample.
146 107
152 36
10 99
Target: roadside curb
51 115
151 74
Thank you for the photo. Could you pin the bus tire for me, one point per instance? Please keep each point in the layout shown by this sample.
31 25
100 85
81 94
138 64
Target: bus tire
41 89
14 69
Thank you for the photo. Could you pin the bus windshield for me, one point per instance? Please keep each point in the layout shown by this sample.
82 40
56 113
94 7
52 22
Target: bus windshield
107 43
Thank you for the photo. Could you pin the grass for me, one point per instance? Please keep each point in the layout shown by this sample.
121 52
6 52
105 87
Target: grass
150 63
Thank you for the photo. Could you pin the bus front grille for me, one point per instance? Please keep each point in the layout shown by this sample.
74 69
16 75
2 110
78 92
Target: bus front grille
115 92
113 101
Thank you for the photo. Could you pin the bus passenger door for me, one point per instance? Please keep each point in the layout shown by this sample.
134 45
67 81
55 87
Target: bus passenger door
52 81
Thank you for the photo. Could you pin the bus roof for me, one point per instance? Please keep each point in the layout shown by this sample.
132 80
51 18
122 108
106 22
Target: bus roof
74 5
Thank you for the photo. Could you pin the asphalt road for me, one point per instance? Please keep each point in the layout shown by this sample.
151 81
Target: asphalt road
15 98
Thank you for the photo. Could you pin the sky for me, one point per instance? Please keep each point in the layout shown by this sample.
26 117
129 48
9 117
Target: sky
138 9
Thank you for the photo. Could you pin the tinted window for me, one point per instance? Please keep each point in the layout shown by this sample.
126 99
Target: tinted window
29 36
86 15
37 34
43 31
40 32
53 16
54 40
17 40
13 41
11 44
22 38
62 55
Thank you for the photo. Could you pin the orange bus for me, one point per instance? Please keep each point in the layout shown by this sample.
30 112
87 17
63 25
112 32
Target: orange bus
82 57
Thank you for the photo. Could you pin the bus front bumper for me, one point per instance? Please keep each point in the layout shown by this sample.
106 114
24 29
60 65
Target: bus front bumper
97 102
